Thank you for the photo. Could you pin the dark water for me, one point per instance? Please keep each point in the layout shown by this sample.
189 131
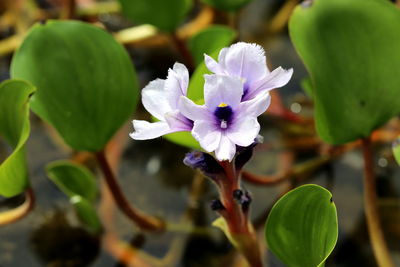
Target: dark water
154 178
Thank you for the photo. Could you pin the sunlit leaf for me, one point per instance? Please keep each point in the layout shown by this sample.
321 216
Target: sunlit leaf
14 128
350 48
199 44
86 83
79 184
165 15
73 179
396 149
227 5
302 227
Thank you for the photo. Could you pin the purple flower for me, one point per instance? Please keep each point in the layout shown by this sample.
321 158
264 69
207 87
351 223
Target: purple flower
224 121
160 98
247 62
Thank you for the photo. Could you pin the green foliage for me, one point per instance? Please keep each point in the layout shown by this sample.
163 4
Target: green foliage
201 43
396 150
79 184
86 84
302 227
350 48
165 15
14 128
227 5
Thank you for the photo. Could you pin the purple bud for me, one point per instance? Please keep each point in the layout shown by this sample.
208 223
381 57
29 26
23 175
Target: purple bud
244 154
204 162
217 205
243 198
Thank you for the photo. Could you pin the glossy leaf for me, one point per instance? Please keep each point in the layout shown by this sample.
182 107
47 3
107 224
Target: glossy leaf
86 84
73 179
302 227
14 128
227 5
86 213
199 44
350 48
165 15
396 149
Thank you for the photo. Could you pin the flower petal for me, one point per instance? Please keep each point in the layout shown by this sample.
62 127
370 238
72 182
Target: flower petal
177 121
277 78
154 99
212 65
193 111
206 133
256 106
246 61
176 84
222 89
226 149
145 130
244 131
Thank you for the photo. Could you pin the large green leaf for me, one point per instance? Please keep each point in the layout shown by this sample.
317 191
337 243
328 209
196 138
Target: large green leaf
302 227
396 149
14 128
227 5
165 15
86 84
73 179
199 44
79 184
350 48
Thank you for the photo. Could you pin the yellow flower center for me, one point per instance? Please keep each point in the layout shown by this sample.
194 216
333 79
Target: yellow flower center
222 105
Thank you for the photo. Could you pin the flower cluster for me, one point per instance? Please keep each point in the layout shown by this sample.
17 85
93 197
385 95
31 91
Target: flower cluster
235 95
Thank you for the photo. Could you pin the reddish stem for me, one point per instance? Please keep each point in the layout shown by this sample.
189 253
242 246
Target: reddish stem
144 221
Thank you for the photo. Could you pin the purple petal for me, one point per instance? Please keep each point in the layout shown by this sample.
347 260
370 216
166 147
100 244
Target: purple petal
154 99
246 61
176 84
244 131
222 89
206 133
226 149
277 78
145 130
256 106
192 111
177 121
212 65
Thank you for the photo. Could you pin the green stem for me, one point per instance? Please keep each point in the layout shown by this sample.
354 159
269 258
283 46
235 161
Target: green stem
144 221
379 245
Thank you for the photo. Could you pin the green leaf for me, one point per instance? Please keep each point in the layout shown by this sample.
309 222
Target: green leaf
306 85
86 213
350 48
14 128
165 15
86 84
199 44
396 150
227 5
302 227
73 179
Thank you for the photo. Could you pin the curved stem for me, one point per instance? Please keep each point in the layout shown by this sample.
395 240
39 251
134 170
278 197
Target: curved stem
144 221
21 211
379 245
184 51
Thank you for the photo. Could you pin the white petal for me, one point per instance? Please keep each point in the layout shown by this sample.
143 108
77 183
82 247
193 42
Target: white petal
277 78
176 84
212 65
222 89
244 131
226 149
256 106
207 134
154 99
246 61
145 130
192 111
177 121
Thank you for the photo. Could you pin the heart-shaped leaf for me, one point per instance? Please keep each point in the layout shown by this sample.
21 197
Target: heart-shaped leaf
302 227
227 5
199 44
14 128
350 48
165 15
86 84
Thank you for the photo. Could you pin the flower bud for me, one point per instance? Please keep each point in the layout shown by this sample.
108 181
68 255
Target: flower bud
204 162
